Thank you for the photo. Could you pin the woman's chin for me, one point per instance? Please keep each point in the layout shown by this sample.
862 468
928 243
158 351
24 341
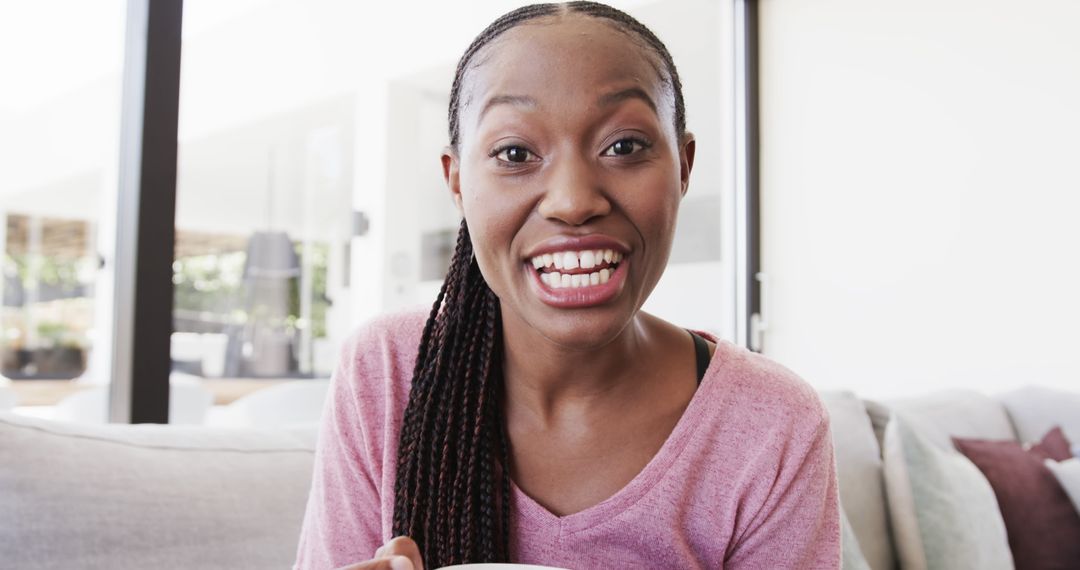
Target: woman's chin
583 329
582 317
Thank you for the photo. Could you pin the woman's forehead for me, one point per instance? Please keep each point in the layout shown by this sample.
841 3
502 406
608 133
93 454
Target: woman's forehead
556 61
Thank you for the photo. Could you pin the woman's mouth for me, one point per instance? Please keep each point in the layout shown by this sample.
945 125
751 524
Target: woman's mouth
576 269
578 278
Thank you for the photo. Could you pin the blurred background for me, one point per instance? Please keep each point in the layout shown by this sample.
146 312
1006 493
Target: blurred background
918 189
309 192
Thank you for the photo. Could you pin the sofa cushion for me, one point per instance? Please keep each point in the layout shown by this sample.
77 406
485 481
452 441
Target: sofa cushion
851 556
1040 519
879 418
862 490
944 513
956 413
1034 410
146 496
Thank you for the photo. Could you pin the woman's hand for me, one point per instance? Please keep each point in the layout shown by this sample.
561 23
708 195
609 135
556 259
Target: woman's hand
400 553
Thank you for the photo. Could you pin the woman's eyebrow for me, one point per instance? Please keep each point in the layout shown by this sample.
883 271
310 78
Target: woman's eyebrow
519 100
604 100
625 94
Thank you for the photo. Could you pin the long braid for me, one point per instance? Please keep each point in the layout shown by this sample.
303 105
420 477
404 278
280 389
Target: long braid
448 424
452 492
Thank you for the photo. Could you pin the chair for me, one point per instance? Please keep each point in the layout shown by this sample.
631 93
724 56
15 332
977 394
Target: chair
291 404
188 403
8 397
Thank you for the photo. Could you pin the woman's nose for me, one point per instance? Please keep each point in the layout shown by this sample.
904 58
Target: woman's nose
573 193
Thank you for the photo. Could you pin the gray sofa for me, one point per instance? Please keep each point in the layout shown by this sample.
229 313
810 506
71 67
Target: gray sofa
150 496
911 499
114 496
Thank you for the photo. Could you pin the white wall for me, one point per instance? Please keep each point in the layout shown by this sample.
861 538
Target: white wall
698 287
920 192
417 200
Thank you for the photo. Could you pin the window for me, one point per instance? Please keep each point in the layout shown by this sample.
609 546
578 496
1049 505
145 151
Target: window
309 194
59 113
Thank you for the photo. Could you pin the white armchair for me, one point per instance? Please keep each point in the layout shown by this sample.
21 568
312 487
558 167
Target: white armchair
298 403
189 402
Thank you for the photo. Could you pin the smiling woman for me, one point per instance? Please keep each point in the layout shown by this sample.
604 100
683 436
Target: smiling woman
538 415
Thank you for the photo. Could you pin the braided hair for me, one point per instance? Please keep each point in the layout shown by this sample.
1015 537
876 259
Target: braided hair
452 492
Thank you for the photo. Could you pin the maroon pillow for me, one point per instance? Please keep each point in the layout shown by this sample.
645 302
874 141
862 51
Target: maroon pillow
1054 445
1042 523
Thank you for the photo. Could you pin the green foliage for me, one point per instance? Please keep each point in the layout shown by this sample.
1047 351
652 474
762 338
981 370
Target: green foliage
207 283
214 284
320 258
60 272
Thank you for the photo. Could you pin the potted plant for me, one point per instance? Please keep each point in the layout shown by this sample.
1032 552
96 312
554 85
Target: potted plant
61 354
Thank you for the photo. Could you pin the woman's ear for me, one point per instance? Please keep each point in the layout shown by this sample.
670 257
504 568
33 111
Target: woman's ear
686 160
451 169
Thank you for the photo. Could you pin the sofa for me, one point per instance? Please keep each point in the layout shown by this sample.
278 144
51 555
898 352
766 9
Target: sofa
910 500
152 496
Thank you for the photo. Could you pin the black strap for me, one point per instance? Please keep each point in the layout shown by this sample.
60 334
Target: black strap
701 354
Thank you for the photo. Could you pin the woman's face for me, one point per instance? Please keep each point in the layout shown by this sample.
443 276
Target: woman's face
569 174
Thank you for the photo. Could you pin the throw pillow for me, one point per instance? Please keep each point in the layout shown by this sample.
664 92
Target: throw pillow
1042 523
1068 474
944 512
1035 409
858 468
1053 446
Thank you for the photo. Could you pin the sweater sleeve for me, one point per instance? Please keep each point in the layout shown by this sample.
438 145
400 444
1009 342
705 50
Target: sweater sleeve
342 520
798 524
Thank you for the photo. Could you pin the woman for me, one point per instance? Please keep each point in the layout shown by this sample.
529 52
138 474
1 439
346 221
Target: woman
538 415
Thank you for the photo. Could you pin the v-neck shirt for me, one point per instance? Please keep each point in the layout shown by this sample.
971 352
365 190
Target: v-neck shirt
746 479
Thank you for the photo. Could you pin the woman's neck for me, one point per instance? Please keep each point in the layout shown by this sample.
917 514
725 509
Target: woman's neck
551 382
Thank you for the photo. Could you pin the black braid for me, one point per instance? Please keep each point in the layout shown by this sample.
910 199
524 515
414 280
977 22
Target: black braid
452 492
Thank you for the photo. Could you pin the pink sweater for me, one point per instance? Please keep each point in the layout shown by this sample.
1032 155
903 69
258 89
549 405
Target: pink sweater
747 479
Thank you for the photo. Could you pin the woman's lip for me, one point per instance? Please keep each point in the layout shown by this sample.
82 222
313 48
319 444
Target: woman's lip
577 243
579 297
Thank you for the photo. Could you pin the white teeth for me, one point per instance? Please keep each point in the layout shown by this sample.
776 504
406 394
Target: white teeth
570 260
588 260
556 280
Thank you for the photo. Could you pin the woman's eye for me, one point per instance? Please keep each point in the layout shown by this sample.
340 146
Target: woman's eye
623 147
514 154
